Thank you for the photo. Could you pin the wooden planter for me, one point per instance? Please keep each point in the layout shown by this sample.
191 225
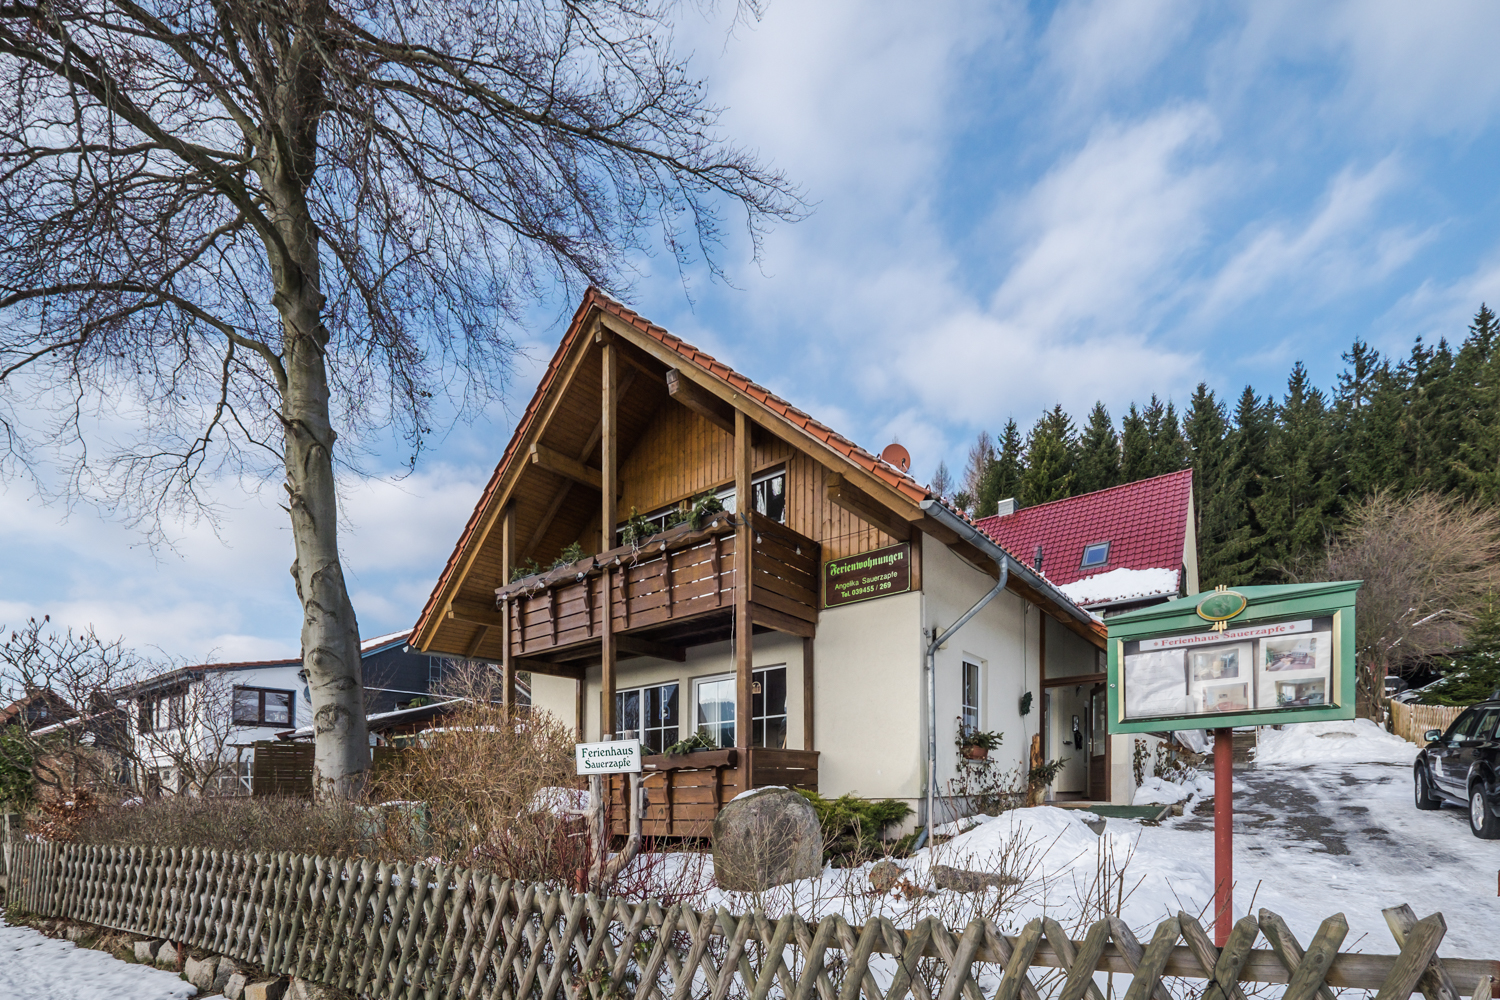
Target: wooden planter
977 753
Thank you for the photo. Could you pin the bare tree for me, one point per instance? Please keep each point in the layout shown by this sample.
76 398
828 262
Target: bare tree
1427 562
228 228
81 743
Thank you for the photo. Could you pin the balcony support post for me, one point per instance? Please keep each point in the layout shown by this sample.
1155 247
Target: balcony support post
744 547
507 658
609 478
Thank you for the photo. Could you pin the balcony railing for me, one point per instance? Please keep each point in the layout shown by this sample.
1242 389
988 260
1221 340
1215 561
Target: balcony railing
674 579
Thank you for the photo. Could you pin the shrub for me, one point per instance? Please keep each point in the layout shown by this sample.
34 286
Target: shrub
853 827
243 825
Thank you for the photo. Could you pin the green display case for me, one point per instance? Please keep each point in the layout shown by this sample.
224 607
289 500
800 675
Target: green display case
1247 656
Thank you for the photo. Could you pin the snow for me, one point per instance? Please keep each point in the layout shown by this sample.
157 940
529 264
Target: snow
1121 584
36 967
1356 741
560 801
752 792
1162 792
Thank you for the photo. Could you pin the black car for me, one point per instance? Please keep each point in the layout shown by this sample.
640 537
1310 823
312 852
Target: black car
1462 766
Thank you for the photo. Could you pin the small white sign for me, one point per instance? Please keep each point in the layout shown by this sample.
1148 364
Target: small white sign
616 757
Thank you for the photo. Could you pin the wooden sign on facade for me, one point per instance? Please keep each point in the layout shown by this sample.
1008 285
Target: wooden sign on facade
867 576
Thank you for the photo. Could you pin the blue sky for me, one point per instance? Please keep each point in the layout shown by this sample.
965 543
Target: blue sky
1015 206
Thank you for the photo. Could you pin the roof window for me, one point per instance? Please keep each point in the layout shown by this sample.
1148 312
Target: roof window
1095 555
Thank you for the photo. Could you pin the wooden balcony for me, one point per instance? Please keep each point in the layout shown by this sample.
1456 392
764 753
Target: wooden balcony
676 589
686 791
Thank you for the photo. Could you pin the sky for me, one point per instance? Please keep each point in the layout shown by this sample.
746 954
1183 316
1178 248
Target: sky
1013 206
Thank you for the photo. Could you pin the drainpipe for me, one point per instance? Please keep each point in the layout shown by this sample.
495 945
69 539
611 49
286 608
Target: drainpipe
968 533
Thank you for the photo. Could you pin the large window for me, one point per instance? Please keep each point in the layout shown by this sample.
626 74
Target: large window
767 492
768 708
715 698
262 707
163 711
649 714
970 712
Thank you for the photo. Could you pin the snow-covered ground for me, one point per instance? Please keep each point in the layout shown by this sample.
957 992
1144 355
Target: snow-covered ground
1329 827
36 967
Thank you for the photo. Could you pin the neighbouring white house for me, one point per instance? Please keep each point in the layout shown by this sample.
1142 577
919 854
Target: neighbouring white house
194 729
1112 550
792 630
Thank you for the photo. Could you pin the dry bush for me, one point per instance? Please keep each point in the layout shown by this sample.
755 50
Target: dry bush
482 783
244 825
1427 562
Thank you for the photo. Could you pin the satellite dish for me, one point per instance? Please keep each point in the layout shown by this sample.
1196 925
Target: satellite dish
896 455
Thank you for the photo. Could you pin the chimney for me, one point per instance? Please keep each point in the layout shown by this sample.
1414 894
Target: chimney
1036 563
1007 506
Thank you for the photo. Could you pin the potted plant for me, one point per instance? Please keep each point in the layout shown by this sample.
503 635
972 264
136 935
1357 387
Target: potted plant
976 744
698 741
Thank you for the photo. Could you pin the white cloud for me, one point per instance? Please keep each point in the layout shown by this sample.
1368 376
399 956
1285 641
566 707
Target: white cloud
1332 254
1099 47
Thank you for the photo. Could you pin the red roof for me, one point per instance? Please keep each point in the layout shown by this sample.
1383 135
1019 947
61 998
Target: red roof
1145 524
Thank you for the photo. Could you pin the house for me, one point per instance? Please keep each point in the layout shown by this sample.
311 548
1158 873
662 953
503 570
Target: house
791 628
37 709
194 728
1114 550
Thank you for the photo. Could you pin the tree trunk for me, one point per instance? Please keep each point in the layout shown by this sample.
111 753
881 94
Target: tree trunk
330 634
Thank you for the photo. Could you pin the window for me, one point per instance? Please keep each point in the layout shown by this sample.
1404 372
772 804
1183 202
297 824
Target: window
970 711
1095 555
768 708
163 711
767 491
648 713
262 707
715 697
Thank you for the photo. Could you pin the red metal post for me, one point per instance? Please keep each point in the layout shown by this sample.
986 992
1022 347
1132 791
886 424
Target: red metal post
1223 834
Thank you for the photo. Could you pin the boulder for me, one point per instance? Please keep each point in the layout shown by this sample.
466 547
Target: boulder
145 951
267 989
884 875
200 972
226 968
234 986
306 989
766 837
961 880
166 956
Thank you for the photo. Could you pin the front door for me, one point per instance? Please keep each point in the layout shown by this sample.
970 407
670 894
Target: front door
1098 742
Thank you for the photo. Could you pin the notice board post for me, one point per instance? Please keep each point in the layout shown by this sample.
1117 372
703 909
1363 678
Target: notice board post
1255 656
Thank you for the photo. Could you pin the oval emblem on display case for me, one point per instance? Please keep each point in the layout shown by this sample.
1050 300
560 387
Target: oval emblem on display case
1221 605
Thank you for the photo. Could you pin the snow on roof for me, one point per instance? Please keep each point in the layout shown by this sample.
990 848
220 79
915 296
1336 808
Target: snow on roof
383 640
1122 585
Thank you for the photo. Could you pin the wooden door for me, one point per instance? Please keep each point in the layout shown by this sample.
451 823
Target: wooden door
1098 743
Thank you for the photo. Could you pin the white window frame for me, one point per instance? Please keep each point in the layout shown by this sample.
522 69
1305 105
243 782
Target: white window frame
757 721
640 734
698 683
977 705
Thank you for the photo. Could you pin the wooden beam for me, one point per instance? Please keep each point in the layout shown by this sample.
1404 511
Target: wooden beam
562 491
807 694
609 444
508 660
704 403
781 621
744 546
561 464
859 503
478 612
508 558
476 642
637 646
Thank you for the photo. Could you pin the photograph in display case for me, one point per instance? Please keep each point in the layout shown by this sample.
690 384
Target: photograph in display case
1226 697
1277 665
1294 694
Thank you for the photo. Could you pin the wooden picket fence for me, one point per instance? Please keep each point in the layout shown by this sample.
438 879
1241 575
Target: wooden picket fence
392 930
1410 722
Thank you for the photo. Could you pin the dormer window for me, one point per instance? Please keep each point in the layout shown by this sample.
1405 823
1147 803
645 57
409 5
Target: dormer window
1095 555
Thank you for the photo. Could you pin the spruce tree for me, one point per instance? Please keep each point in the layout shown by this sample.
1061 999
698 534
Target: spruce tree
1169 451
1238 558
1135 447
1098 453
1218 501
1366 411
1477 372
1050 456
1002 479
1299 500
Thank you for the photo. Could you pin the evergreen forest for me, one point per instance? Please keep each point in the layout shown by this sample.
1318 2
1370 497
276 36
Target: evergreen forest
1273 475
